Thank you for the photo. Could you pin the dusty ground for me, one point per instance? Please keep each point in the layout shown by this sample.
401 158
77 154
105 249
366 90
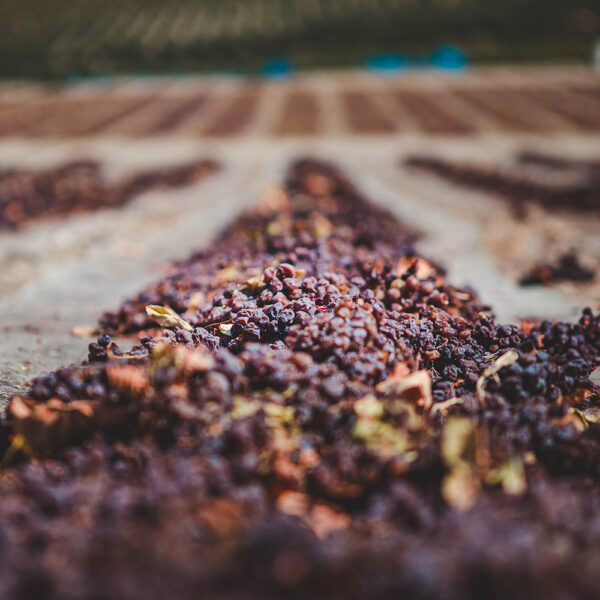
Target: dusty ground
58 275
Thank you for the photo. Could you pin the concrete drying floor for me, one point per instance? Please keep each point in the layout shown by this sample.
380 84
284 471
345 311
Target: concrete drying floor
62 274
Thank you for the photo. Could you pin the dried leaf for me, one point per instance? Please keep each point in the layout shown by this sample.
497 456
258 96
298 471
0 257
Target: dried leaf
458 443
322 227
320 517
84 331
422 268
511 475
403 264
243 407
161 355
442 407
254 283
369 407
379 436
274 228
507 359
573 417
274 200
18 444
225 329
223 515
527 326
127 378
278 412
166 317
324 520
580 397
513 481
462 296
193 361
196 301
415 388
48 425
285 473
293 503
460 489
382 438
230 273
591 415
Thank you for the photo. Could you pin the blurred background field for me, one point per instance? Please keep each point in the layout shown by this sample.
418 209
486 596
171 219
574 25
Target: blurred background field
54 39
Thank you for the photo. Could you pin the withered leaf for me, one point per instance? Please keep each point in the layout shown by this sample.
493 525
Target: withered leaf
369 407
507 359
458 442
230 273
511 475
574 418
223 516
254 283
225 328
127 378
84 331
166 317
591 415
443 407
193 361
383 438
49 425
322 227
274 200
196 300
460 489
243 407
422 268
320 517
460 485
415 388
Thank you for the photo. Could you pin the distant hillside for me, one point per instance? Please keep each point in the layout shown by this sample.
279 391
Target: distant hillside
57 38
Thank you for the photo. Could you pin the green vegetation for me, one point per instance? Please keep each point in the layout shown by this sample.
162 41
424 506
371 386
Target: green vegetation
57 38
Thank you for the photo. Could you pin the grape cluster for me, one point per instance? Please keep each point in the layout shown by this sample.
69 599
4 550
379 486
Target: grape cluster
326 408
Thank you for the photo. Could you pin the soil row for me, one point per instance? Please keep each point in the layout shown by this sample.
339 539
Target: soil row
450 112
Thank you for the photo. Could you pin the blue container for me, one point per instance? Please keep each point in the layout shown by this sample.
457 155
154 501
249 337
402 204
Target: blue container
386 63
277 68
449 58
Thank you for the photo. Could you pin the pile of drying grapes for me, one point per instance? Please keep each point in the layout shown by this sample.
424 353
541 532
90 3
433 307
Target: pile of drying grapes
567 267
555 183
80 186
319 415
